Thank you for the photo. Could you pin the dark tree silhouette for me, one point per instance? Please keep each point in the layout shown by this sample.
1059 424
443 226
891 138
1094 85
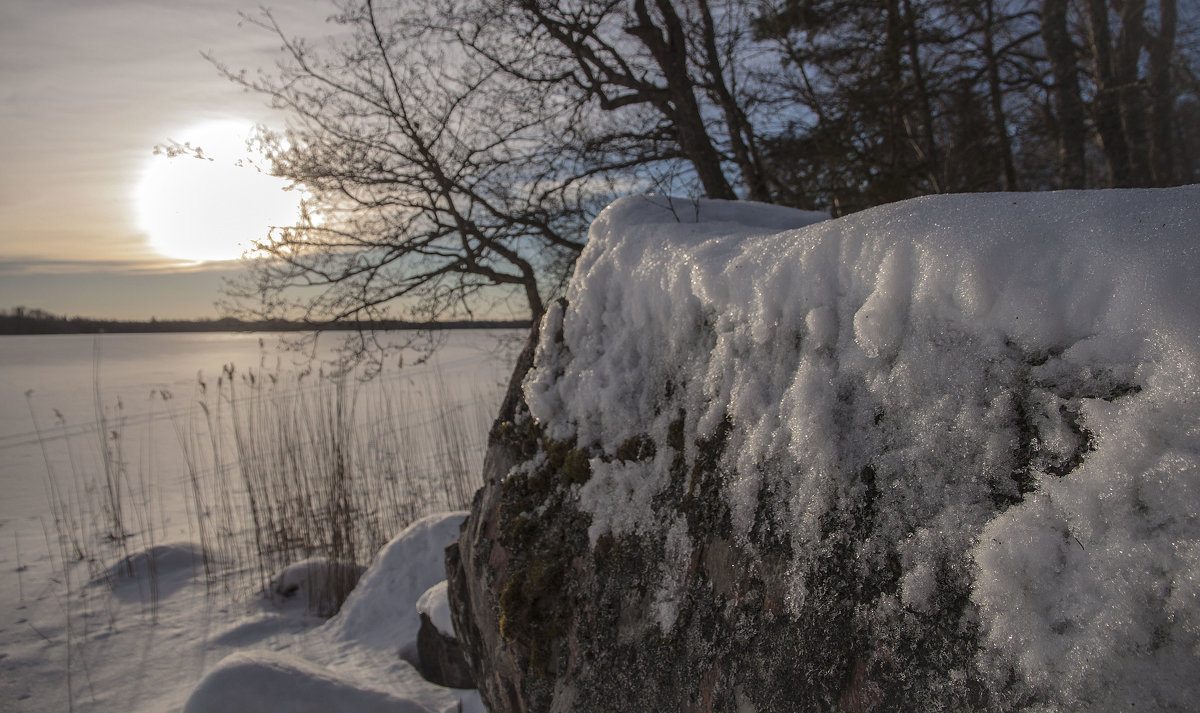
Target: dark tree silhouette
454 151
429 186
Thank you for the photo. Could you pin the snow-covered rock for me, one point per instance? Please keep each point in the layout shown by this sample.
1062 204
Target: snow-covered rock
354 661
316 584
381 612
435 607
442 659
942 454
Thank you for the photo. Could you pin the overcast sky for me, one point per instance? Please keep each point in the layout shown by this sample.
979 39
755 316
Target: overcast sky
87 89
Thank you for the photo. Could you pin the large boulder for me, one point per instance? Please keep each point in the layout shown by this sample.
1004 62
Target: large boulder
441 656
941 455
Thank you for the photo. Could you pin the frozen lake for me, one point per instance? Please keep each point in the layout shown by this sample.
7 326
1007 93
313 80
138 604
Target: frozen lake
162 406
72 383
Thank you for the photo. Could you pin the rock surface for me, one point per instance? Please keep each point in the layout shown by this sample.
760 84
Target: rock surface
856 468
471 569
442 659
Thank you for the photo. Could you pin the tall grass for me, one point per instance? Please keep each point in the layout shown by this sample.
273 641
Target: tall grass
325 468
280 468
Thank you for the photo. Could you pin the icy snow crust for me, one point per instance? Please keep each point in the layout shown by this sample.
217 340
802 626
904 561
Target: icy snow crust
1018 372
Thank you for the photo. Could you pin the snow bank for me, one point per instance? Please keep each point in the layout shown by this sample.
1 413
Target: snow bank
381 612
262 681
434 604
316 584
184 558
353 662
1008 383
154 572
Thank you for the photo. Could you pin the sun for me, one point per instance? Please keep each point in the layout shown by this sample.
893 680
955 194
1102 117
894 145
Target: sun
212 208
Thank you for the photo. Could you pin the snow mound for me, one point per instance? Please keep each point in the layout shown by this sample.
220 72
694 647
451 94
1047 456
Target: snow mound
434 604
154 572
161 560
269 681
316 584
350 663
1008 384
250 631
381 612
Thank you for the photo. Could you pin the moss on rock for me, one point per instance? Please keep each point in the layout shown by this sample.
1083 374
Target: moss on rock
543 531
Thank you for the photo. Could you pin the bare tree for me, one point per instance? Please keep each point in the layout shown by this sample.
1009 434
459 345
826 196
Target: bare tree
454 151
1071 134
429 186
669 74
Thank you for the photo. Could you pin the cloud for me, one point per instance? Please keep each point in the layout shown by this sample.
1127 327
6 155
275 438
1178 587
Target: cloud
45 266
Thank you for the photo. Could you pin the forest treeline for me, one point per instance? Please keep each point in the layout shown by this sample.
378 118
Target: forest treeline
453 152
910 97
831 104
21 320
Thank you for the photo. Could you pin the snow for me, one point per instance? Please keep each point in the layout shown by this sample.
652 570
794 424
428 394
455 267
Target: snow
381 612
354 661
918 340
134 625
272 681
312 584
168 567
434 604
955 318
155 638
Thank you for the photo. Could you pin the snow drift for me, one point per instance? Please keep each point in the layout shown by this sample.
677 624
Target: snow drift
943 452
356 660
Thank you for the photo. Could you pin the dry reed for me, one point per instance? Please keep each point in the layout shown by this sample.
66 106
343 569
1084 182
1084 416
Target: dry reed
278 468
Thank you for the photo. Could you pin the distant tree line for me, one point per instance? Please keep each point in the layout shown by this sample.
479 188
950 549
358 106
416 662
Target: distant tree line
911 97
454 151
845 104
22 320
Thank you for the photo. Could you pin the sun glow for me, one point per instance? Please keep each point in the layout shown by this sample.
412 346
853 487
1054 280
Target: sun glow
216 207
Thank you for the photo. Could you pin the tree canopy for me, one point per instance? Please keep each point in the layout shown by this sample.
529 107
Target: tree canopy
454 151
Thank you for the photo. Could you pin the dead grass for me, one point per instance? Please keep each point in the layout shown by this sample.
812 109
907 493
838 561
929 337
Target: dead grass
279 468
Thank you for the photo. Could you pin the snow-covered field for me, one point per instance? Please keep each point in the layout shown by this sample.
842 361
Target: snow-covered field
203 652
100 634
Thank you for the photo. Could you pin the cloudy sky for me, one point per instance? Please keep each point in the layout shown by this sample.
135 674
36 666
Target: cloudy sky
87 89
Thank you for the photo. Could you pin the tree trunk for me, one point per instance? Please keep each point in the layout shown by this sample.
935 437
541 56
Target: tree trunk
996 94
1108 106
895 105
681 106
1162 95
929 139
1070 121
1130 41
741 134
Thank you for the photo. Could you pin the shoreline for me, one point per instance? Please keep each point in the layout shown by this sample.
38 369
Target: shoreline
20 326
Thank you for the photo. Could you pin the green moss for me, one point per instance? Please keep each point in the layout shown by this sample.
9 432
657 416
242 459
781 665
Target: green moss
522 438
520 529
576 470
606 544
537 603
529 614
636 448
543 533
675 434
